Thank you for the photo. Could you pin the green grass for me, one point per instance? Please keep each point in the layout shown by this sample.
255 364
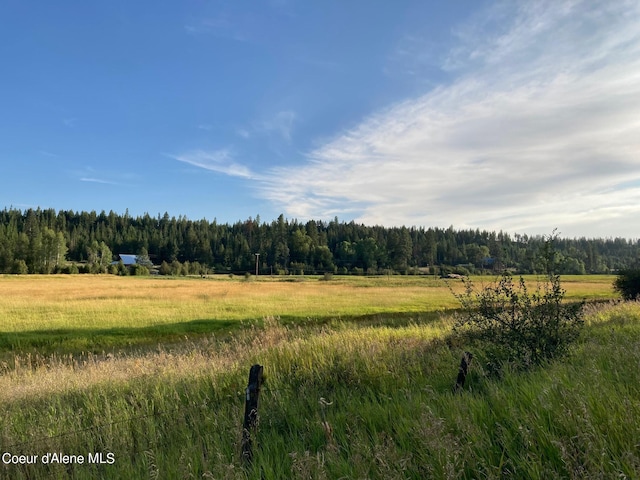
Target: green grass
46 315
341 400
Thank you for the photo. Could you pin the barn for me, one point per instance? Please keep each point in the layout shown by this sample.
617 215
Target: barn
127 259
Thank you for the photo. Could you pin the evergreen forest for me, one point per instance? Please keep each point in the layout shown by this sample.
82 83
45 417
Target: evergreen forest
49 241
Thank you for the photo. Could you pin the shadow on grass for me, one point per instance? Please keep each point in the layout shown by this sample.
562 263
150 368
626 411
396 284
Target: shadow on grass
386 319
70 341
75 341
80 340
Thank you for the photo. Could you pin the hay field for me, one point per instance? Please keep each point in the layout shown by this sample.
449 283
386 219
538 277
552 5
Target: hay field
347 402
95 313
88 302
359 375
51 302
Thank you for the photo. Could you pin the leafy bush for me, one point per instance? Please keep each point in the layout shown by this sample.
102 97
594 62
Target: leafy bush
165 268
68 269
627 283
19 267
138 270
520 327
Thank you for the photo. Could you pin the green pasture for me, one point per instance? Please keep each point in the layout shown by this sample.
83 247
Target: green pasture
92 313
346 400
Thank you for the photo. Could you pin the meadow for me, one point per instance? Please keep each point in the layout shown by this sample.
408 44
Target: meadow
358 382
91 313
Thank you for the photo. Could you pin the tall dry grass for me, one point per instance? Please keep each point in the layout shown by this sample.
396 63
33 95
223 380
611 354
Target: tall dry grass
51 302
340 401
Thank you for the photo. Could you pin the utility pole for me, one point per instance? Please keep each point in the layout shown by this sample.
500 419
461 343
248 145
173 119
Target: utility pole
257 257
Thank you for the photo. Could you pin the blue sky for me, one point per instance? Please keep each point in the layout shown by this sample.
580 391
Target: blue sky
519 116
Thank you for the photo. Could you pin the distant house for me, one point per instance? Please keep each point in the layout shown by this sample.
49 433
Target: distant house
127 259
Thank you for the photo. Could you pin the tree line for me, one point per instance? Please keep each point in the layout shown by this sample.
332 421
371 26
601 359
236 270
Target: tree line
49 241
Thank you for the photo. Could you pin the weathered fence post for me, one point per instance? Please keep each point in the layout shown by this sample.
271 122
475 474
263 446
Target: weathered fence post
251 411
462 371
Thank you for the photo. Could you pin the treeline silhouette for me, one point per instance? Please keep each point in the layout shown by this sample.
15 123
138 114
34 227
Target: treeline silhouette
46 241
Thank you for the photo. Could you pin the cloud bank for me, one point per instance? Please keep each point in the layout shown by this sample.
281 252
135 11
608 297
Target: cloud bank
540 129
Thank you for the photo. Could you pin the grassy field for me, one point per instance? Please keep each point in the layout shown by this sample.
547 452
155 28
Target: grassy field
358 383
72 314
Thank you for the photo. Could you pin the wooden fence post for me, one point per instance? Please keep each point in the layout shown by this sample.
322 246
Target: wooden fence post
251 411
462 371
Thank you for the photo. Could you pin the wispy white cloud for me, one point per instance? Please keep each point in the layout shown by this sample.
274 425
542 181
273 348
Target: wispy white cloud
415 56
223 26
243 132
276 128
92 175
220 23
98 180
318 63
220 161
538 127
47 153
280 124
